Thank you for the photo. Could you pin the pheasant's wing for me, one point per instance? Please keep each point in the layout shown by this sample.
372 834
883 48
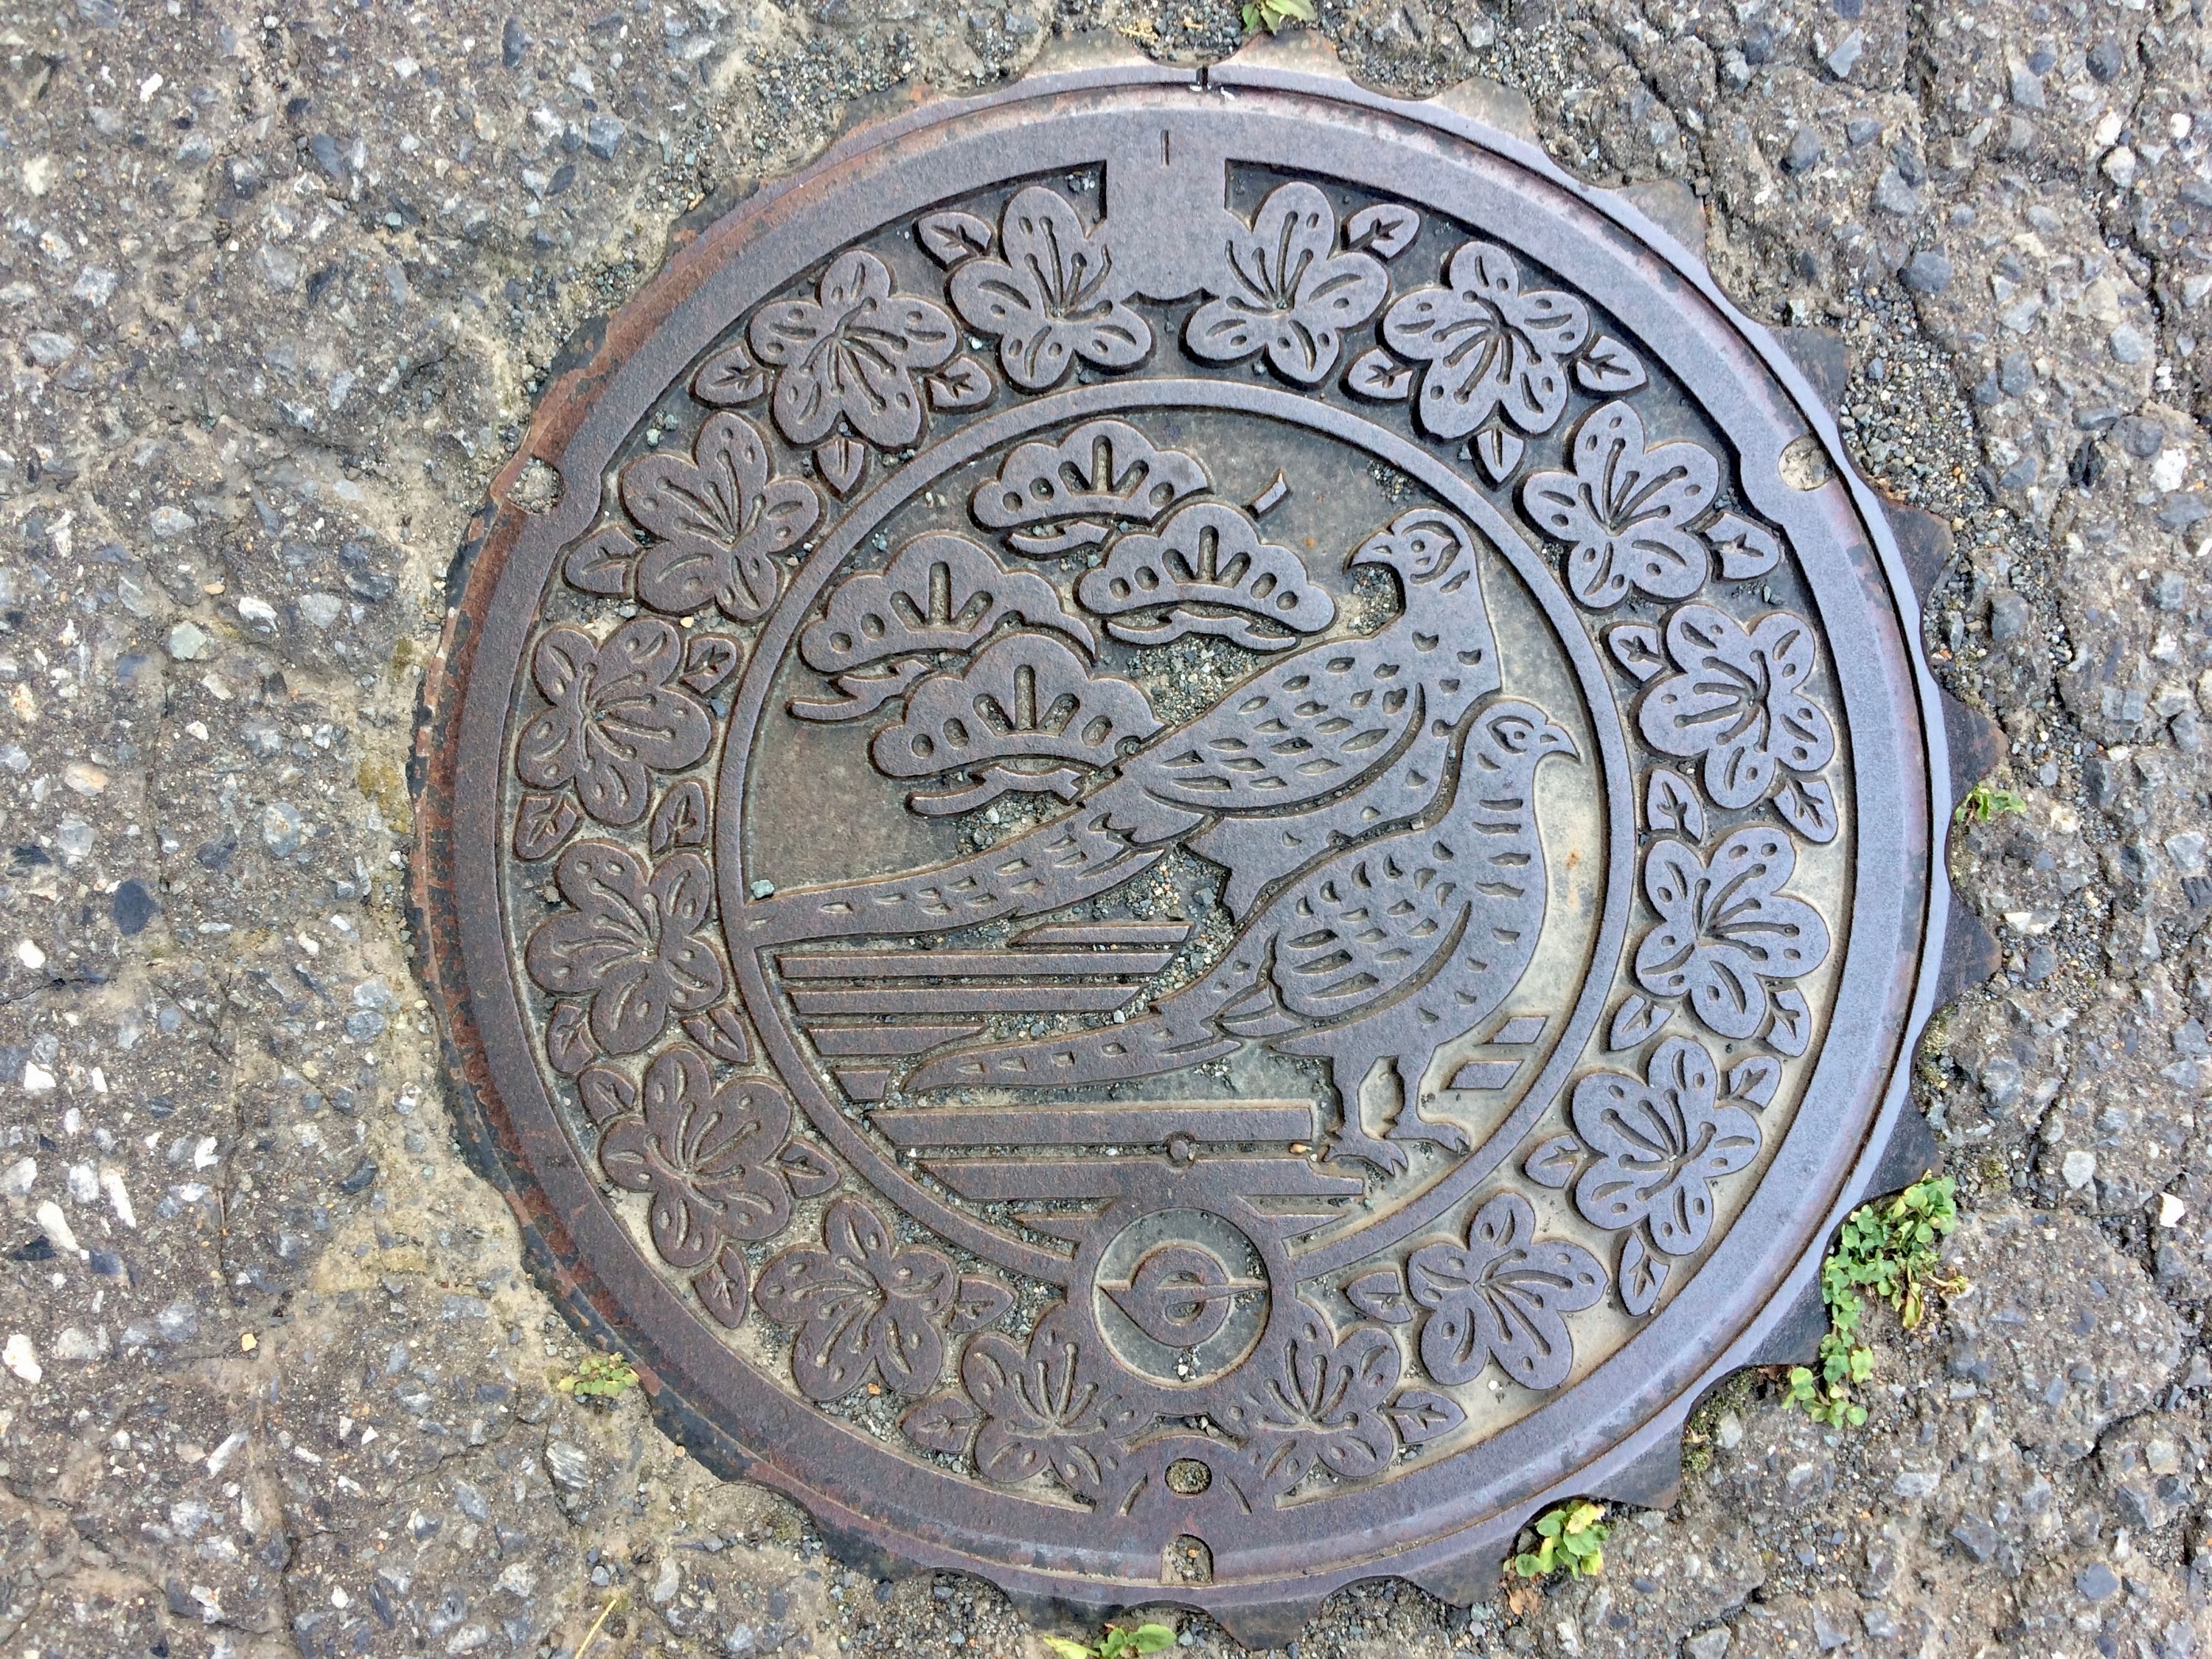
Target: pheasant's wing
1365 927
1308 727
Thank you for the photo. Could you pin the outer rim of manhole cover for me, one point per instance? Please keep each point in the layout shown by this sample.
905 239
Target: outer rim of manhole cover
1615 1431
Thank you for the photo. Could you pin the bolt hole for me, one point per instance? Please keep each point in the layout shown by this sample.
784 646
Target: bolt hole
1189 1477
1805 464
1187 1561
537 488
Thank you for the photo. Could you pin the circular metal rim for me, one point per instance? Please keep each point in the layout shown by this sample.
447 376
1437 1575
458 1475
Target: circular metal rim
1452 1564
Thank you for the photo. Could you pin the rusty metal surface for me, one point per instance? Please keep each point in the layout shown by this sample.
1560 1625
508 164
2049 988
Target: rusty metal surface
1179 878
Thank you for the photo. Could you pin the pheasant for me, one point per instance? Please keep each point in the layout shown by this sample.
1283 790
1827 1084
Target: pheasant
1377 952
1340 737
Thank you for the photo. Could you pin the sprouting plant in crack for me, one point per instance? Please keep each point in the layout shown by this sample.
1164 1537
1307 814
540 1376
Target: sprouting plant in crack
1272 14
1118 1641
1569 1539
1986 800
1890 1250
599 1376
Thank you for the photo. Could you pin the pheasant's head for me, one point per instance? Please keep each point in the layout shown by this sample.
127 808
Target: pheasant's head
1425 546
1511 728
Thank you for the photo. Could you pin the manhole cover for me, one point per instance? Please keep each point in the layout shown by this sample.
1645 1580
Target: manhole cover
1198 851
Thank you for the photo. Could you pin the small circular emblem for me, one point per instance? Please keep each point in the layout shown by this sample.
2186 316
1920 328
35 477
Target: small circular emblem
1164 847
1182 1297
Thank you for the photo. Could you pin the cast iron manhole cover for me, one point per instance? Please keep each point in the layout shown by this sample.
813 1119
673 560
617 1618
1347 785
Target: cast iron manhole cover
1199 849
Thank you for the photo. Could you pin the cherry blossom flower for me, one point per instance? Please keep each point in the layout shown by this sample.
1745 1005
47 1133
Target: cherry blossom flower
1726 929
1626 511
1503 1295
1490 348
866 1306
630 942
853 350
722 520
719 1164
1283 288
1052 297
615 717
1662 1142
1047 1404
1736 701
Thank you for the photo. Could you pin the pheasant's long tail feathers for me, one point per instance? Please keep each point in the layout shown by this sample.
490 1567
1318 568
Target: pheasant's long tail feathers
1186 1030
1105 1053
1059 864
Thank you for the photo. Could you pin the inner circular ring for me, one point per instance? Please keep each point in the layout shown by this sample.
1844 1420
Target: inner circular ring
1075 404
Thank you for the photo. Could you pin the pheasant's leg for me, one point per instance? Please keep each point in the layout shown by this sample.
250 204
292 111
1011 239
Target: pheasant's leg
1351 1139
1412 1126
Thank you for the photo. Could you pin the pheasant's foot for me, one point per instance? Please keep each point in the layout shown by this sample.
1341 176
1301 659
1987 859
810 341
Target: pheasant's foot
1347 1143
1412 1126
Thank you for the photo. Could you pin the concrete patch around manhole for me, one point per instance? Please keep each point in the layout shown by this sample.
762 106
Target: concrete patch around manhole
1165 858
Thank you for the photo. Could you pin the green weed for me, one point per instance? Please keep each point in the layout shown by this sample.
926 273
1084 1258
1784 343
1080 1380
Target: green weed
1985 800
1272 14
601 1375
1888 1250
1118 1641
1570 1538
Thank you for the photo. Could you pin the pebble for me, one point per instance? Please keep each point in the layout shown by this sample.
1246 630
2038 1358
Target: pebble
282 828
602 136
1976 1536
1803 152
1893 195
21 1358
568 1465
1927 272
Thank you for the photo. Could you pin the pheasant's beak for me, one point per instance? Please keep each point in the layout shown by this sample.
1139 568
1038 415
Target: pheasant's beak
1559 740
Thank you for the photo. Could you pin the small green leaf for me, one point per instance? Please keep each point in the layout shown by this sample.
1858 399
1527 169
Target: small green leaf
1272 14
1064 1648
1985 800
1889 1249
